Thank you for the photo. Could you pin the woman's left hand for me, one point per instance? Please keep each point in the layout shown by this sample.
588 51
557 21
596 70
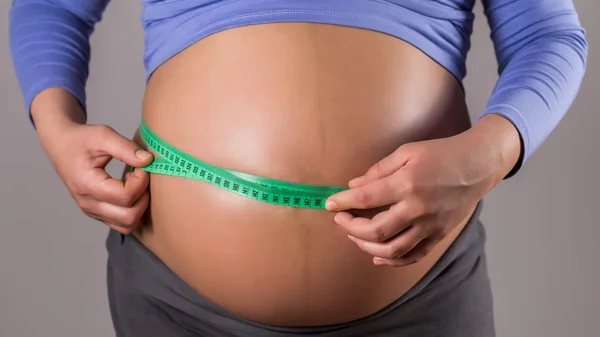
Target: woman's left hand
430 187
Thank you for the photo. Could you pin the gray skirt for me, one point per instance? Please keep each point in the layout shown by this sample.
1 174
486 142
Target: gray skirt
454 299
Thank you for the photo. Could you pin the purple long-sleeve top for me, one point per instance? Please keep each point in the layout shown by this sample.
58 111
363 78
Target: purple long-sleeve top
540 46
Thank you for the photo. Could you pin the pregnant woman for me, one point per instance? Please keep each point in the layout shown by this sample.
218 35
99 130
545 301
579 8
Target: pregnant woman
302 168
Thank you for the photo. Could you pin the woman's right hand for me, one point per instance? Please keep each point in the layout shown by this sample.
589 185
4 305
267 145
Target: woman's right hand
80 152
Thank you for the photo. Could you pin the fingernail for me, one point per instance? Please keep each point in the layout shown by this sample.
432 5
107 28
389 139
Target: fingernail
351 238
331 206
356 181
143 155
377 261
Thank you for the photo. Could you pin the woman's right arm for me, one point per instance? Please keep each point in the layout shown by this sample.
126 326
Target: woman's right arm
50 45
50 48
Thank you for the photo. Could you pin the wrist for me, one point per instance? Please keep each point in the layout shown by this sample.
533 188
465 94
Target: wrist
53 109
501 142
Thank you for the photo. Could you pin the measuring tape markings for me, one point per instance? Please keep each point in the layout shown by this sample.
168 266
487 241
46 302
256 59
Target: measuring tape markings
175 162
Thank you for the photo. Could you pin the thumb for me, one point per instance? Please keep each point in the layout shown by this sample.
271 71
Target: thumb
382 168
125 150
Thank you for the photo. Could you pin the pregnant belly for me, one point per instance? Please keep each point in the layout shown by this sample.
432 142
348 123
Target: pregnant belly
305 103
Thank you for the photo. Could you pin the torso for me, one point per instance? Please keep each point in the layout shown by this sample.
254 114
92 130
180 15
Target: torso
306 103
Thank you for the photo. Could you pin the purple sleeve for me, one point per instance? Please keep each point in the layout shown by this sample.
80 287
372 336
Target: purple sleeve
542 51
49 44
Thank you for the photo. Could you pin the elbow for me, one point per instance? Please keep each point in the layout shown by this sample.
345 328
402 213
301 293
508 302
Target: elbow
581 44
33 5
576 44
568 45
542 29
87 12
573 37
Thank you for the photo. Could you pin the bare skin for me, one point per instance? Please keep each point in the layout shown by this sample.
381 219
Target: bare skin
306 103
299 102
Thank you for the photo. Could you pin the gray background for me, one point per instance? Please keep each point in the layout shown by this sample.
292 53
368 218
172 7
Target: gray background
543 229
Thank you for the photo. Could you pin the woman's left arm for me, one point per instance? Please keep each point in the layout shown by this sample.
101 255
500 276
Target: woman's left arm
542 52
433 185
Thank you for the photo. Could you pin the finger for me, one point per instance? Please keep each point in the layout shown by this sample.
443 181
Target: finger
125 217
377 193
380 228
394 248
382 168
415 255
118 192
136 184
113 144
117 227
127 170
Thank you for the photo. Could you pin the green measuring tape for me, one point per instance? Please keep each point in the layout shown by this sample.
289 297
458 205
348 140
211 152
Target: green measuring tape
174 162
